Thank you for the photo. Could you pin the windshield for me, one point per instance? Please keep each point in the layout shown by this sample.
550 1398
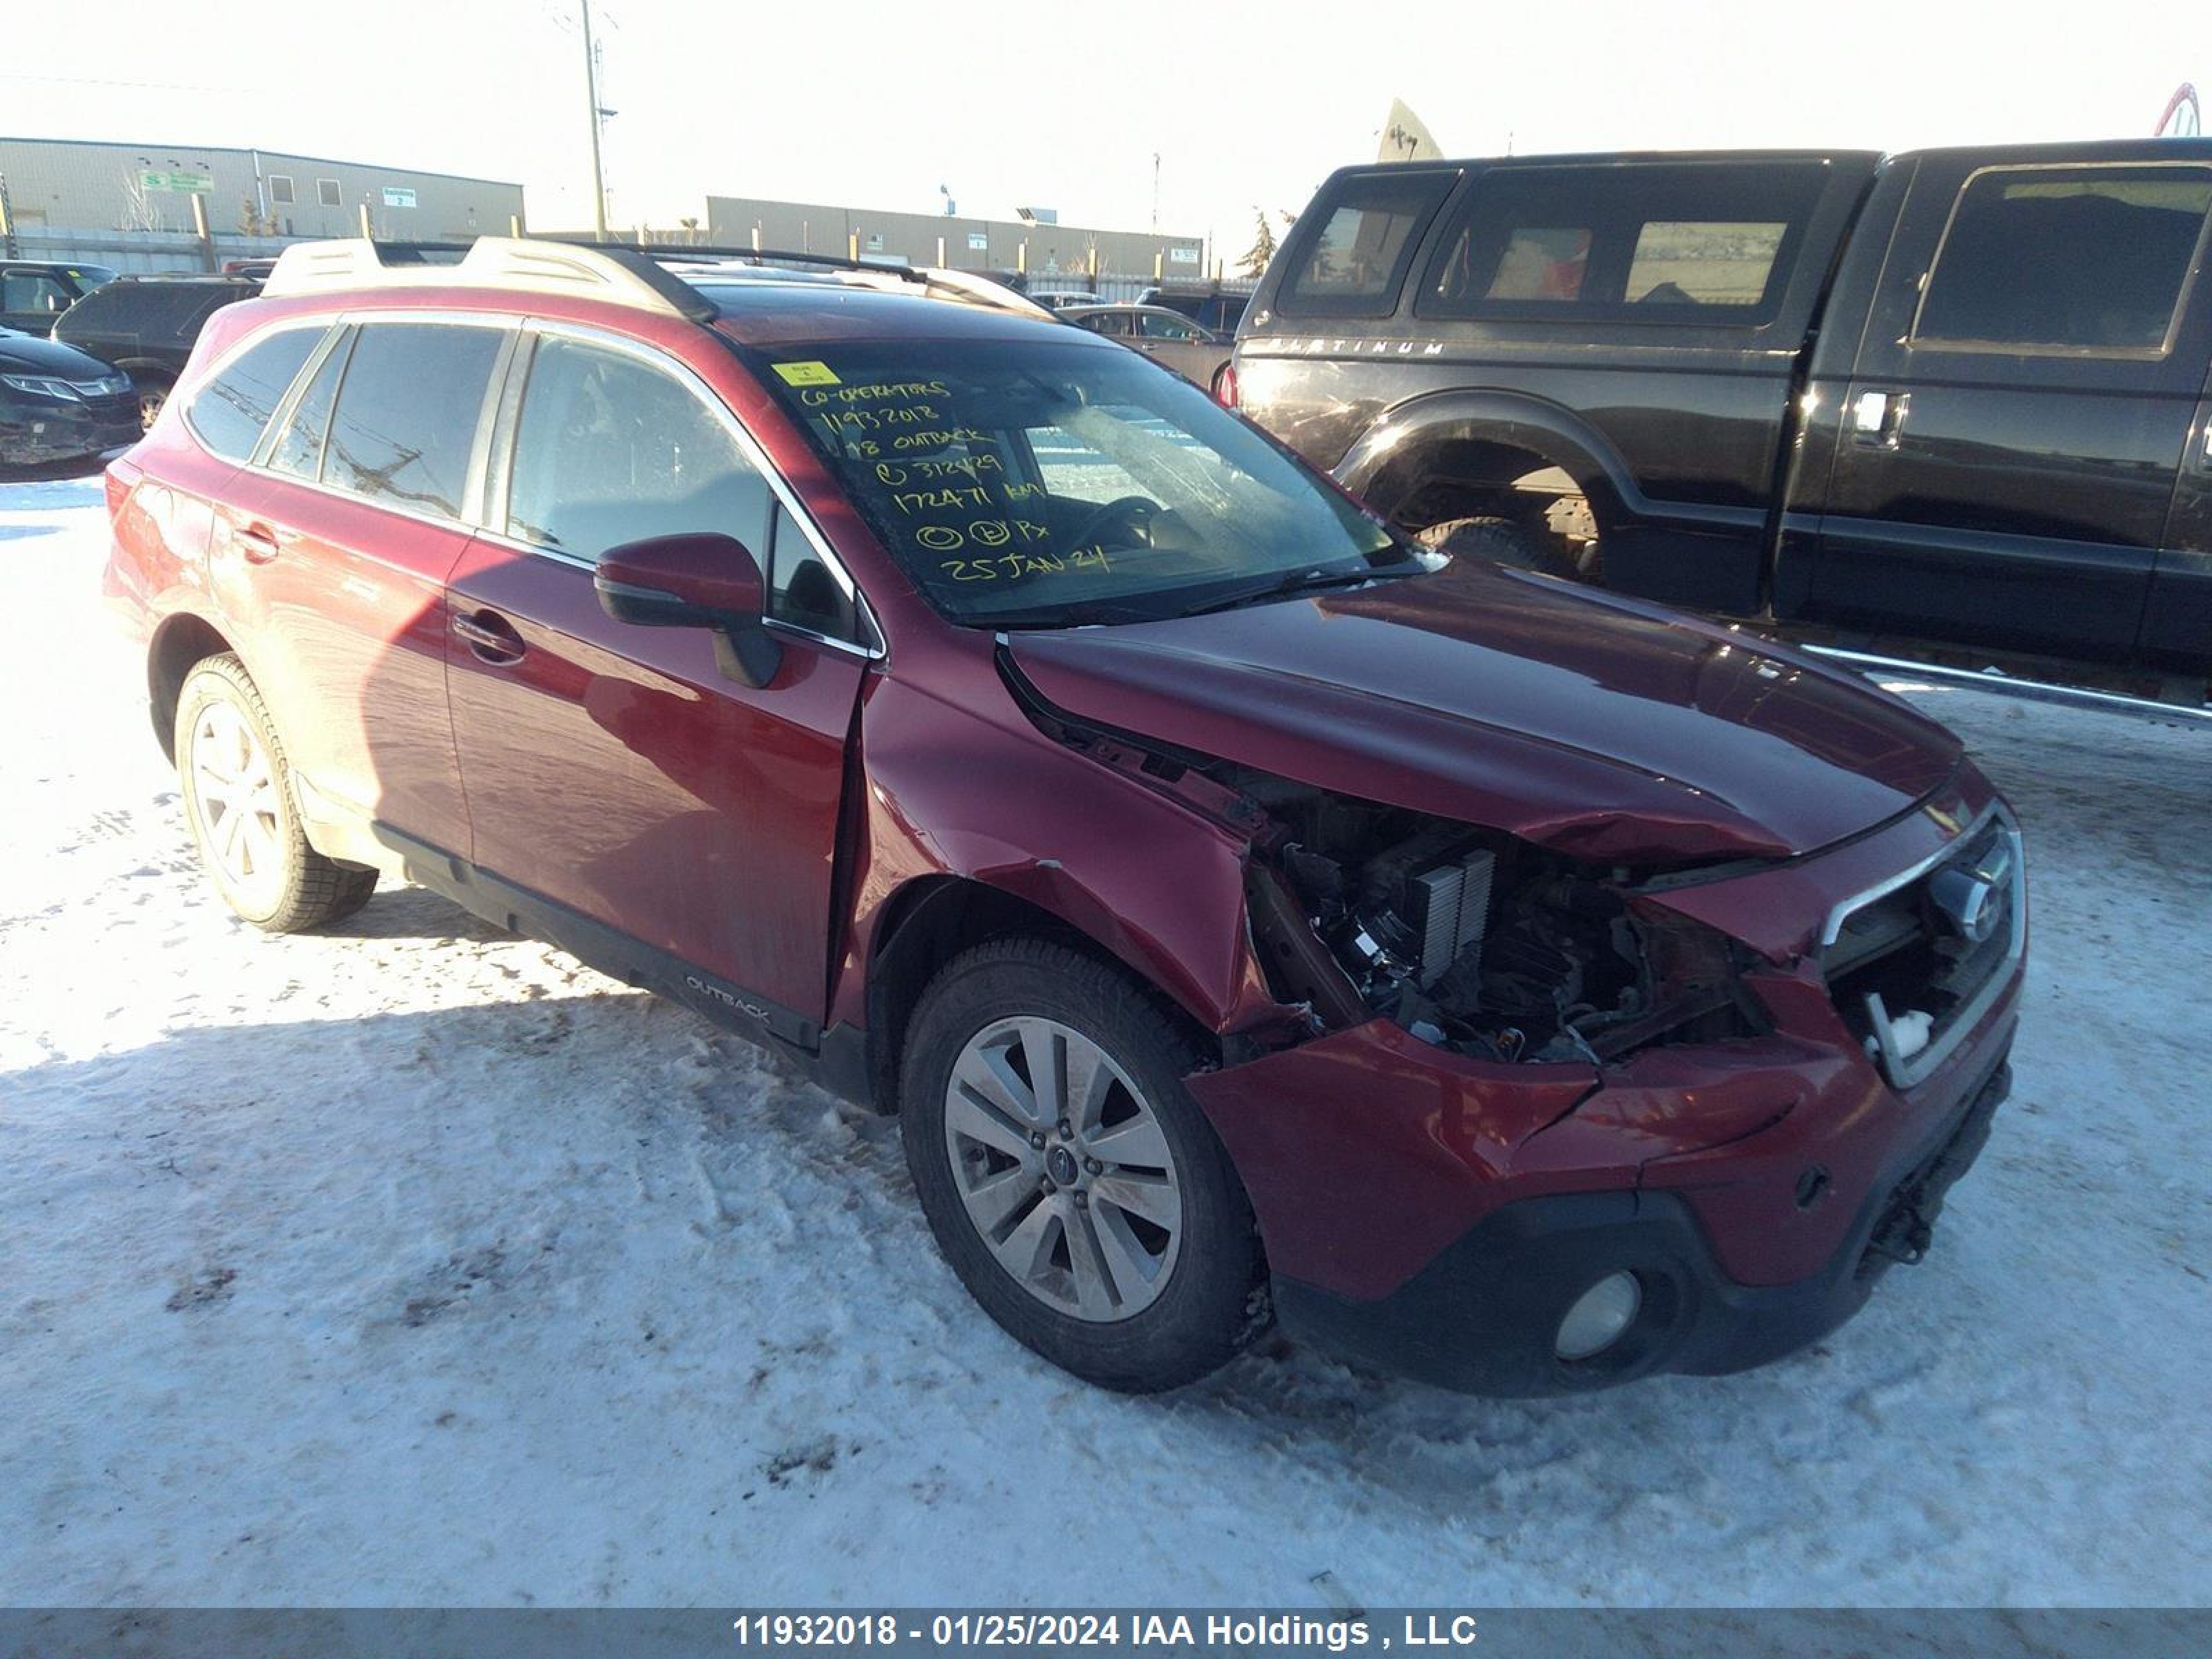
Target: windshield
1049 484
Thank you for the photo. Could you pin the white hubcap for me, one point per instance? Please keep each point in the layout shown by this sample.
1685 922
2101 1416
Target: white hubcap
235 788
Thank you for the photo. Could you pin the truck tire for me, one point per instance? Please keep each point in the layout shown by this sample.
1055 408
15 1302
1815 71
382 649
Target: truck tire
1502 541
238 800
1096 1218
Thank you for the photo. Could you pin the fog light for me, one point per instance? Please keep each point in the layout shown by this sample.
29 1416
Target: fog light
1600 1316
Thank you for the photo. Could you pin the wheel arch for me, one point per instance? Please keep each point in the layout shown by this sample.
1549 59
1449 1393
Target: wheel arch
1477 444
181 640
930 920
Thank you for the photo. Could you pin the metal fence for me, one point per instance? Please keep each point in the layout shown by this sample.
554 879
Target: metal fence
138 252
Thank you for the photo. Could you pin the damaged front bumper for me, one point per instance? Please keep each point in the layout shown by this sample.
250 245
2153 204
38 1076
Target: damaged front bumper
1437 1214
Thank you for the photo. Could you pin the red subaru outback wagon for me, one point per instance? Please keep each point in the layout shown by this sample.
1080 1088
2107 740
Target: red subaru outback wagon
1249 913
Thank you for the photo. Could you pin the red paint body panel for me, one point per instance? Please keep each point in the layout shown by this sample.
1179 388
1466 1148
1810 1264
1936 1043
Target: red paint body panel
1601 729
617 770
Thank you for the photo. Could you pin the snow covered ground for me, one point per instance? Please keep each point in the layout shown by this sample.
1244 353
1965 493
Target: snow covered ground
416 1264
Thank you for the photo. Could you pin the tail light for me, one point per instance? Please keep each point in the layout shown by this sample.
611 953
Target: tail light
1224 387
120 479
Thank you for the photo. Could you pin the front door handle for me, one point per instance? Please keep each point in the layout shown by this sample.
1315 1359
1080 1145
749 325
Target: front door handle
1878 418
490 637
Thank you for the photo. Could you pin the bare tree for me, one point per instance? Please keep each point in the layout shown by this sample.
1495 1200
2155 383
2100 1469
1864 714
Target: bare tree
140 212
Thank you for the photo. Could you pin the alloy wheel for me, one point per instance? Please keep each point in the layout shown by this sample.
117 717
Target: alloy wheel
1063 1169
235 786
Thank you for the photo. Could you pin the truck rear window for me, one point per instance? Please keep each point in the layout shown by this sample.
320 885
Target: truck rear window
1682 242
1350 252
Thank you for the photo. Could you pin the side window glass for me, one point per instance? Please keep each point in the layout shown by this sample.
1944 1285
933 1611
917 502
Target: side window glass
407 412
2086 259
32 290
801 589
611 449
229 412
1705 261
299 448
1107 322
1356 263
1165 328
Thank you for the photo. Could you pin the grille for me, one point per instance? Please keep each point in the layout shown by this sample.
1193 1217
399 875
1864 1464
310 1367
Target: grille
1912 966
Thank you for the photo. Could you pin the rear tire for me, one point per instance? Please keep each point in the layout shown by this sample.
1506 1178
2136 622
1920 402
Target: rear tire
1097 1220
1502 541
238 800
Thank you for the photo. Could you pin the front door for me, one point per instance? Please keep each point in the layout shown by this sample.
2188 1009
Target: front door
616 771
2010 437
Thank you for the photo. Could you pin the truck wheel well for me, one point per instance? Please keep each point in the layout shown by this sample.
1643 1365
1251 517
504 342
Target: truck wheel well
180 643
1467 478
932 920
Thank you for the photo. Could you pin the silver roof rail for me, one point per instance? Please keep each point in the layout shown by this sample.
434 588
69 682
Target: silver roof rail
613 274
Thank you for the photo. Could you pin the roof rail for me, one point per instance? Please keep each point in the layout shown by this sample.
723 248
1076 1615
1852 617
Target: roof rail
614 274
604 270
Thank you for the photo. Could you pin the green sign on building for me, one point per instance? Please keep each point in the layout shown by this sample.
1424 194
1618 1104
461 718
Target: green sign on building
185 182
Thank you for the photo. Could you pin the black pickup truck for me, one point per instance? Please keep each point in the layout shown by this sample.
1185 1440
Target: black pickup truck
1956 398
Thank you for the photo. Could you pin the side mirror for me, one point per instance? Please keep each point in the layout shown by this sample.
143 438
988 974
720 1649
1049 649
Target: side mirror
699 581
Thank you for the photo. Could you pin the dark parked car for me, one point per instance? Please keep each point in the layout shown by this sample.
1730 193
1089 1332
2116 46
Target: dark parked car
1168 337
1207 304
57 404
1956 397
35 292
1244 908
146 325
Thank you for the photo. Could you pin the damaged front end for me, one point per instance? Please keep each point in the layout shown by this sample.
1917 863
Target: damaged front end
1470 940
1473 941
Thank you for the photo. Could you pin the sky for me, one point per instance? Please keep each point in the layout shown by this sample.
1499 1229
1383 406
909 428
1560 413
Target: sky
1246 106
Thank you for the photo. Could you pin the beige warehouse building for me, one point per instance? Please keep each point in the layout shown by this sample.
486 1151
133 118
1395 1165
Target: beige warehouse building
1043 249
55 184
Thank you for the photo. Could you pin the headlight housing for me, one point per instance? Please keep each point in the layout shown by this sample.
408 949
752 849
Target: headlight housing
67 392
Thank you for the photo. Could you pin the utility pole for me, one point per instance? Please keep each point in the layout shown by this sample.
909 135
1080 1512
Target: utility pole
592 89
1156 193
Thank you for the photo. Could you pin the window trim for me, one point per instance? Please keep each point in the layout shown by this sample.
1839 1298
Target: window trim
1916 341
499 470
291 197
338 187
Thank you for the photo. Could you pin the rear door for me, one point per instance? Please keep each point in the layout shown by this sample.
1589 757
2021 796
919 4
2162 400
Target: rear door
343 532
616 771
1176 342
2011 432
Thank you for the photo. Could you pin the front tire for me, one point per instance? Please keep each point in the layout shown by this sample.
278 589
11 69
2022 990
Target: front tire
153 391
1069 1178
238 800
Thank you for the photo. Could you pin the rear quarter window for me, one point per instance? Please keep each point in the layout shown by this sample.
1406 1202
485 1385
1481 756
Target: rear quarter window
229 412
1704 243
407 413
1349 255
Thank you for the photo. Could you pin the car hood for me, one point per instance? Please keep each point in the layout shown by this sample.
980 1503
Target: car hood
26 354
1598 727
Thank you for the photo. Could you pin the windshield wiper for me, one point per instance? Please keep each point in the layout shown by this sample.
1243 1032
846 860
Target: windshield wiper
1310 580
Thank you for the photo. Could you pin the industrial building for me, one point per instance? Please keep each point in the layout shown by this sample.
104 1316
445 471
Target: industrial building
57 185
1036 244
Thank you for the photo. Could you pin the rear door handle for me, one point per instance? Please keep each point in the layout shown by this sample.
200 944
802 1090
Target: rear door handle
490 637
257 543
1878 417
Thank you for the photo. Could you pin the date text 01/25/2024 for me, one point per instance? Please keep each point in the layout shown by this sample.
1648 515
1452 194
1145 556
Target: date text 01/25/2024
957 1631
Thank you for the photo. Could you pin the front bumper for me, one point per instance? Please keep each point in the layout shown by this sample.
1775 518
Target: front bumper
1438 1213
33 432
1482 1316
